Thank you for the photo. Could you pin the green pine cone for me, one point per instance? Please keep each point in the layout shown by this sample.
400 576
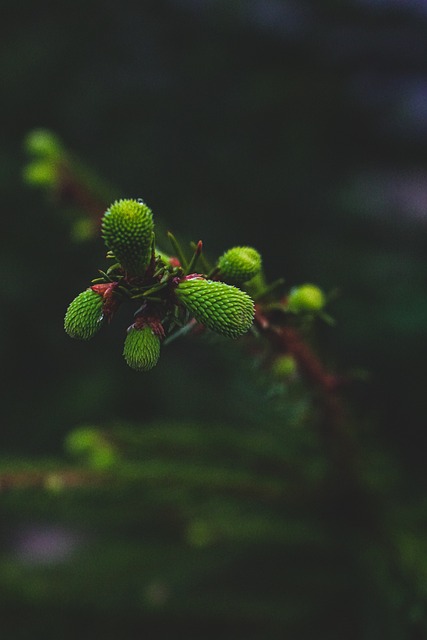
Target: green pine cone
219 306
239 264
142 348
84 315
128 231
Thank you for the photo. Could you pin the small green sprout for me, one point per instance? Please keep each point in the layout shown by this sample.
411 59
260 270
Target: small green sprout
306 298
239 264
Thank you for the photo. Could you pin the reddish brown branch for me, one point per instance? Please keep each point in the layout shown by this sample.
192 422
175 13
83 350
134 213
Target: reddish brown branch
334 426
54 480
289 340
72 190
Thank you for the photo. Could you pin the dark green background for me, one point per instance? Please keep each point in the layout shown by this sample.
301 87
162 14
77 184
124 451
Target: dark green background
296 127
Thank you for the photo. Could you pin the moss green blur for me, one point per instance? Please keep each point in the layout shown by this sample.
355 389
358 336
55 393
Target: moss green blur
90 445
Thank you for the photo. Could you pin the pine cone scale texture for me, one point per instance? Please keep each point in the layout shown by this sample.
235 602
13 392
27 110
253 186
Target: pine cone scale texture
222 308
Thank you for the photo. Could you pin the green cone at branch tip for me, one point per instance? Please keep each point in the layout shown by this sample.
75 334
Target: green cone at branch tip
240 264
142 348
84 315
219 306
306 297
128 231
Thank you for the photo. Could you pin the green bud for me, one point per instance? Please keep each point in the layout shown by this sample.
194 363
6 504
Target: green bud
239 264
41 173
84 315
219 306
90 445
142 348
284 366
307 297
83 229
128 231
43 143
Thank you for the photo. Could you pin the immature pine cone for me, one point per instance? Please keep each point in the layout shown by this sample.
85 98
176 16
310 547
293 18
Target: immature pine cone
84 315
128 231
219 306
142 348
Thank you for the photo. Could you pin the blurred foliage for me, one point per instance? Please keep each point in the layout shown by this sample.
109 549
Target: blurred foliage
201 500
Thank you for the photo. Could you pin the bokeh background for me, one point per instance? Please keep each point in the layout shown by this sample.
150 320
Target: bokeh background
299 128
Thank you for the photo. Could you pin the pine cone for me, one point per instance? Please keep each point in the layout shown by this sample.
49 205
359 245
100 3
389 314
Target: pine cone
219 306
128 231
142 348
84 315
